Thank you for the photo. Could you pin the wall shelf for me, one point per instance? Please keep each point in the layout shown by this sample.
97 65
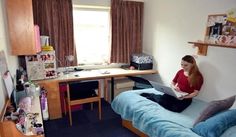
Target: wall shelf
219 31
202 46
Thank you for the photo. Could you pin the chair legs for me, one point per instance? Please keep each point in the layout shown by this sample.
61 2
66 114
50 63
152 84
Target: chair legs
70 117
65 109
91 106
90 100
99 109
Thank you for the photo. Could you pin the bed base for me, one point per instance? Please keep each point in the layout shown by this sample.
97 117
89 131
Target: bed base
128 124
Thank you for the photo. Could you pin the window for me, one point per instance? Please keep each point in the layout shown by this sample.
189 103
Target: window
92 35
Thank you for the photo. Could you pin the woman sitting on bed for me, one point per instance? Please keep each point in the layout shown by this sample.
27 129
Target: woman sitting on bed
189 79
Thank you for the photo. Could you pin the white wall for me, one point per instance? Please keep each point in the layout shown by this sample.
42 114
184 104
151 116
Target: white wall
168 26
4 45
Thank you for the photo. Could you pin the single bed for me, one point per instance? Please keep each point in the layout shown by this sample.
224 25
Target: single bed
153 120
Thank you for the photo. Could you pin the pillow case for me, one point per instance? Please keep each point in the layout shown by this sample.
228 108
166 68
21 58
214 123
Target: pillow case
215 107
216 125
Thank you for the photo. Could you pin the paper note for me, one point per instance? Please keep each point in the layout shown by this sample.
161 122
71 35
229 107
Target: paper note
3 63
231 15
8 83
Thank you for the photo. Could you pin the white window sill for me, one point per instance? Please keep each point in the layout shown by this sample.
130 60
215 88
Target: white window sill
71 68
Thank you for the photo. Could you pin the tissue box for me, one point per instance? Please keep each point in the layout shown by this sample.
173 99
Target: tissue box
142 61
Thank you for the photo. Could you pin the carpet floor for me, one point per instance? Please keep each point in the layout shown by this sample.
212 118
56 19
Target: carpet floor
87 124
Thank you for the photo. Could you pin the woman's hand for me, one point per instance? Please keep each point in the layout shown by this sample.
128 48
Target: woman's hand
181 98
194 94
175 86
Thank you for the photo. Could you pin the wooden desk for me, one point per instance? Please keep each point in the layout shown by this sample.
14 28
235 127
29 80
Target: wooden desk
52 85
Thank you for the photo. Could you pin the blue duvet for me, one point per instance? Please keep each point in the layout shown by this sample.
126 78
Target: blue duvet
154 120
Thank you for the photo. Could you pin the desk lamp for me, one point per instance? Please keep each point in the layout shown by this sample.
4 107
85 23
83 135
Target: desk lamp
69 59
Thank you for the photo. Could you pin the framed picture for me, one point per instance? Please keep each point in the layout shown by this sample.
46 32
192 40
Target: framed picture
220 30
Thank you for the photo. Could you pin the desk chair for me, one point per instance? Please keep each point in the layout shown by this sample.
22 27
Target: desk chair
81 93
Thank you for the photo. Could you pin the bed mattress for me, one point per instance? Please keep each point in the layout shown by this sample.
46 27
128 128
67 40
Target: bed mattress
154 120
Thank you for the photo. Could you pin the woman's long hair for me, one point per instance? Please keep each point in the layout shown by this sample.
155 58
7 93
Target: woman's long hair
194 73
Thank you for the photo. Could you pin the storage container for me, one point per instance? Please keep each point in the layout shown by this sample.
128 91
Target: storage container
142 61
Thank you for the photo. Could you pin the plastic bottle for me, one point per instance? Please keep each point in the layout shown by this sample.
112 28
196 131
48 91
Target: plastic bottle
44 104
45 111
42 100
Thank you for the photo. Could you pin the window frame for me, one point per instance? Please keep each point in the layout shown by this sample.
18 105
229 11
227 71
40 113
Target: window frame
95 8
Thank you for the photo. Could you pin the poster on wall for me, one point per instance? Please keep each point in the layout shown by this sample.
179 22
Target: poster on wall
41 66
220 30
3 63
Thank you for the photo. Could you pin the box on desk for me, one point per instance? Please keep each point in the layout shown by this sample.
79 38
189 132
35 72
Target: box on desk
142 61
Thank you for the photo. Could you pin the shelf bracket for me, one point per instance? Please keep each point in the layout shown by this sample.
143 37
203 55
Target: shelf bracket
201 48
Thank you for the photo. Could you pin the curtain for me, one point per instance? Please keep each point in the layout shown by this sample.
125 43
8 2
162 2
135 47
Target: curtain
55 19
127 25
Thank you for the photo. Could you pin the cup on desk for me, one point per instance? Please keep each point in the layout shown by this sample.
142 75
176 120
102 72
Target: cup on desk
59 74
132 68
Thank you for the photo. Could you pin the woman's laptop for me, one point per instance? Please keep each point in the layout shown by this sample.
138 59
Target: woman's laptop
167 90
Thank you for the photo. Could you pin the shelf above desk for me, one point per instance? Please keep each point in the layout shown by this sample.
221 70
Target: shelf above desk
202 46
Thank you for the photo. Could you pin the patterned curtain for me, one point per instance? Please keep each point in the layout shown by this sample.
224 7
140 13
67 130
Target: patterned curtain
55 19
127 25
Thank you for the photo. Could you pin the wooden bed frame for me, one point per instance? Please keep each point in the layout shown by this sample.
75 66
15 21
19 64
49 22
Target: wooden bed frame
128 124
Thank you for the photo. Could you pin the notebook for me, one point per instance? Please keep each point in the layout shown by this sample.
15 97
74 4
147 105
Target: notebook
167 90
